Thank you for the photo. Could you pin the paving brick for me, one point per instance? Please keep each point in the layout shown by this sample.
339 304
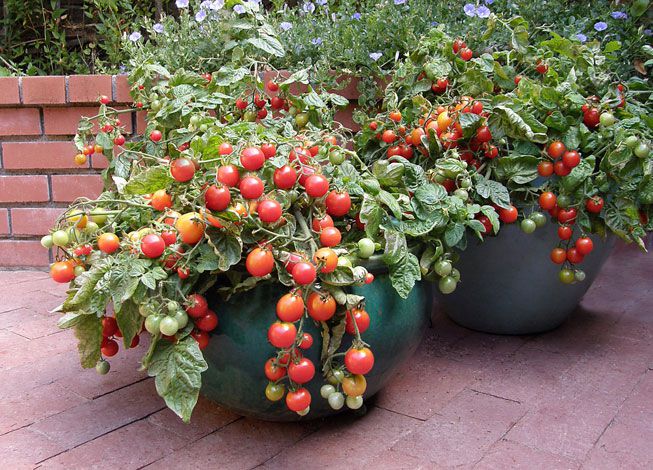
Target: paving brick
39 155
34 221
36 349
623 446
41 402
44 90
4 221
88 88
141 123
30 324
64 121
20 121
23 448
506 454
42 300
362 437
242 444
67 188
102 415
139 444
123 90
463 431
24 188
9 93
344 117
21 253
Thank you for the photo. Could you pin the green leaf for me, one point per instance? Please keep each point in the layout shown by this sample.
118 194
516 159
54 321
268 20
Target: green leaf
388 199
492 190
227 248
491 214
70 319
344 276
149 181
506 121
519 169
178 370
645 190
469 123
88 330
86 282
155 274
371 215
579 174
453 234
314 100
437 67
129 321
268 44
473 82
404 273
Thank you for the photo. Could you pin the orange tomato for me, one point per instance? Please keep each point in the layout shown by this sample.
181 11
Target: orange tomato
190 227
444 121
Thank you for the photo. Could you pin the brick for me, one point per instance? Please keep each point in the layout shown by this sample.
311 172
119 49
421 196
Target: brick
24 448
24 188
99 161
506 454
44 90
141 123
88 88
64 121
623 446
43 299
20 121
136 449
15 253
39 156
94 418
4 222
37 349
472 422
122 89
33 221
9 93
67 188
345 117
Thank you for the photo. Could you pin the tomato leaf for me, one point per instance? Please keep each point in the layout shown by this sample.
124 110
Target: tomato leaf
519 169
149 181
492 190
88 330
178 370
87 282
405 273
228 249
129 321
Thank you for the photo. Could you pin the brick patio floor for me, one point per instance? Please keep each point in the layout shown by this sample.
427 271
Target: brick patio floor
577 397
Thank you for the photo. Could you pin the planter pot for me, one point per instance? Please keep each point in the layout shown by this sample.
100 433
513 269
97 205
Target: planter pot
510 286
239 348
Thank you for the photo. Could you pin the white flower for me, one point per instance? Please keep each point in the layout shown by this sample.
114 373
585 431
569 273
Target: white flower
135 36
216 5
200 16
182 3
239 9
375 56
158 28
285 26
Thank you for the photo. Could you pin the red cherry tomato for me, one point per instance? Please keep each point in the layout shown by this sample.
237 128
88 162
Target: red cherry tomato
594 204
330 236
252 158
153 245
301 371
228 175
285 177
109 326
251 187
359 361
207 322
282 334
316 186
217 198
338 203
196 306
259 262
290 307
269 211
298 400
362 319
304 273
508 216
182 169
584 245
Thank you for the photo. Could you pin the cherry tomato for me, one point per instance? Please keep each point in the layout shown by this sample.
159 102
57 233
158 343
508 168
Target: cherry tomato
207 322
153 245
359 361
320 224
228 175
389 136
517 79
62 271
508 216
190 227
354 386
285 177
304 273
362 319
183 273
466 54
269 211
571 159
592 118
269 150
298 400
161 200
558 255
491 152
574 256
217 198
259 262
202 338
594 204
584 245
155 136
567 216
330 236
541 67
338 203
561 169
328 258
108 243
301 371
483 134
225 148
565 232
556 149
282 334
487 223
307 341
252 158
251 187
109 326
316 186
545 168
457 45
182 169
321 306
273 370
196 306
108 347
290 307
119 140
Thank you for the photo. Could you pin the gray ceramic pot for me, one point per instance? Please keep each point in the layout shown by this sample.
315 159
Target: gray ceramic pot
510 286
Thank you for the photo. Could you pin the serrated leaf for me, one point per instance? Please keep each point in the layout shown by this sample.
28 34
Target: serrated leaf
129 321
227 248
86 282
405 273
492 190
178 370
88 331
149 181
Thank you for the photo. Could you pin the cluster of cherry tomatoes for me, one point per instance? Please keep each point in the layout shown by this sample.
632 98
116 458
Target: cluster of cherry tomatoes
560 160
113 127
460 47
109 345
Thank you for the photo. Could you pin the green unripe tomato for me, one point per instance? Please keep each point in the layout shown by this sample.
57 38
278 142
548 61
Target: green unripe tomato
152 323
579 274
365 247
301 120
102 367
168 326
60 238
642 150
567 276
249 116
78 270
172 306
528 226
156 105
607 119
443 268
564 201
304 412
91 227
461 194
447 285
275 392
195 119
336 400
327 390
538 218
336 157
354 403
631 141
293 111
335 377
344 261
99 216
440 177
466 183
455 274
46 242
144 310
204 127
181 318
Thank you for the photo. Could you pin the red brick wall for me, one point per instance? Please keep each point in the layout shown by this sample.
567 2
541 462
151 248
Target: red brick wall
38 177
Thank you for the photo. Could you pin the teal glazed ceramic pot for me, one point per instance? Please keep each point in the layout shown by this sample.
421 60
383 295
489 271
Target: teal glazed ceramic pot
510 286
239 347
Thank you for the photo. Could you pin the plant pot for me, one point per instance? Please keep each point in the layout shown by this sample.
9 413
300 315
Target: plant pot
510 286
239 347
